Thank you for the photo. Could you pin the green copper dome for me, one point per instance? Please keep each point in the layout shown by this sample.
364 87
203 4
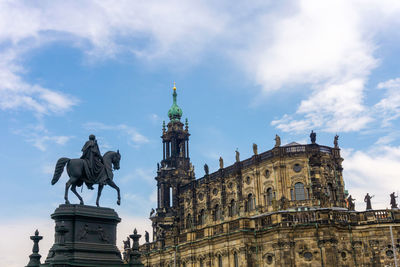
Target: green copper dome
175 112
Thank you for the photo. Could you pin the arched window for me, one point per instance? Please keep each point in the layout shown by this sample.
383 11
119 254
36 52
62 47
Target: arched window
329 190
250 202
201 263
235 259
217 213
232 208
299 191
269 197
219 261
189 221
202 218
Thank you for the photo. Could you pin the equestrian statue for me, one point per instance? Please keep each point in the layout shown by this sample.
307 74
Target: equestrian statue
92 168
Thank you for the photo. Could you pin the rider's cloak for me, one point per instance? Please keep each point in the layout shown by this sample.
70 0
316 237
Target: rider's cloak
93 161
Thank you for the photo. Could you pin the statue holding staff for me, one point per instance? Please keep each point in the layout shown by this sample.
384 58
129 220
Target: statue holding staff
393 203
367 199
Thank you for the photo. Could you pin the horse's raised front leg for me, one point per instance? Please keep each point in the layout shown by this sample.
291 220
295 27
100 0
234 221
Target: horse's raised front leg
67 185
99 189
73 189
113 185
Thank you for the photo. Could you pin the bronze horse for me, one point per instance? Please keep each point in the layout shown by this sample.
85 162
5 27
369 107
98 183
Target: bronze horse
77 175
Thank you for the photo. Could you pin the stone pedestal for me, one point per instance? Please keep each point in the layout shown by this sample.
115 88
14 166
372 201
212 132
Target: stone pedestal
85 236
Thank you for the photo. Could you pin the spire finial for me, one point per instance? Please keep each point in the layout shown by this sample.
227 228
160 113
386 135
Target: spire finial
34 258
174 113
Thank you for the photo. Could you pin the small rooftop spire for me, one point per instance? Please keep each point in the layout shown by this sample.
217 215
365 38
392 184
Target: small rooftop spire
174 87
34 258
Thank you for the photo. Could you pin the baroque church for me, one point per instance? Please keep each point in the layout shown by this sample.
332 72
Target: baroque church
283 207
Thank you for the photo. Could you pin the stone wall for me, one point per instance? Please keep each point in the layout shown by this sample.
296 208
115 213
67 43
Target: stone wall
324 237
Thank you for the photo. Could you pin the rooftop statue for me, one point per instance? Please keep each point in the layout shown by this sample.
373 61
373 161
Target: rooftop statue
350 203
255 149
237 156
127 243
206 169
221 163
393 203
367 199
335 141
277 141
313 137
92 168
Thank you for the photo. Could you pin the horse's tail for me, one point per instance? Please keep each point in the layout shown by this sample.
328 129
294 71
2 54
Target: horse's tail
59 169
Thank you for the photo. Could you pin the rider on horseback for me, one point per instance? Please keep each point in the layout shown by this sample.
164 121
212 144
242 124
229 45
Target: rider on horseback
93 161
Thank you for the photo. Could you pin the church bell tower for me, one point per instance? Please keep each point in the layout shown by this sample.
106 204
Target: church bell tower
175 170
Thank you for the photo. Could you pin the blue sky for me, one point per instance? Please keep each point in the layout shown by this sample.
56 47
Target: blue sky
243 73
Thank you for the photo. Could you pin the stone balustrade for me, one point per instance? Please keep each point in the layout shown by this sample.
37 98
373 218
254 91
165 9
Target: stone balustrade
287 219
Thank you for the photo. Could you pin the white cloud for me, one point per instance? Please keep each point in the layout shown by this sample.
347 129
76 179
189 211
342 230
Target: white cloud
317 42
40 142
333 107
362 170
105 24
15 93
149 29
328 47
140 174
134 136
386 139
39 136
155 119
388 108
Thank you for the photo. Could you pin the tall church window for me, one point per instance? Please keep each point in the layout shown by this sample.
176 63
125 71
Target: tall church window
269 196
235 259
299 191
201 263
217 213
189 221
219 261
202 218
232 208
250 202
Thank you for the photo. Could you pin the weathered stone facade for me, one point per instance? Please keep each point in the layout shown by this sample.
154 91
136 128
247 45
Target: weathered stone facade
283 207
